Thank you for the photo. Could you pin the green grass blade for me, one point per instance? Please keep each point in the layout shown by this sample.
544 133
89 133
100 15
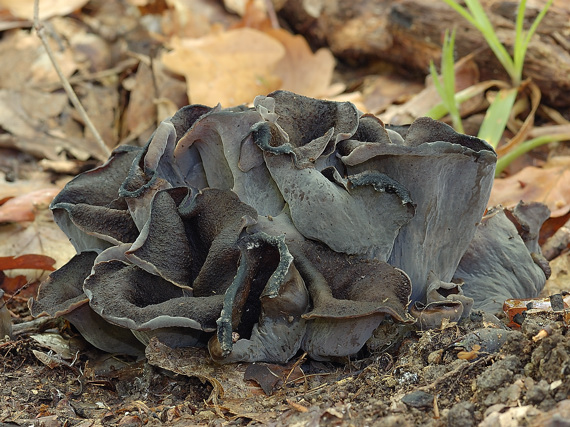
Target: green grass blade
521 46
478 18
495 120
439 110
536 22
446 90
462 11
488 31
448 71
525 147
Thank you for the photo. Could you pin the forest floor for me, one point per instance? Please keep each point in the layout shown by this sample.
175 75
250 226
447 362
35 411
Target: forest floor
430 379
130 68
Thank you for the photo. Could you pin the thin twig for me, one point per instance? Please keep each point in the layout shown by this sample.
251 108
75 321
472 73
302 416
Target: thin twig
98 75
38 25
31 327
270 8
557 242
297 363
15 294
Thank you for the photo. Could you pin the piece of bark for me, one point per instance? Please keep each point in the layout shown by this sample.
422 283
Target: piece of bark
409 33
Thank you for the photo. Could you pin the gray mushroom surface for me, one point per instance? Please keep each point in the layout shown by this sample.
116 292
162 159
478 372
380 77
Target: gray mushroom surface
498 264
297 224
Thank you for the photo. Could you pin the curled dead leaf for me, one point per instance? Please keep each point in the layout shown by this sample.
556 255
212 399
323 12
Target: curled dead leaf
549 184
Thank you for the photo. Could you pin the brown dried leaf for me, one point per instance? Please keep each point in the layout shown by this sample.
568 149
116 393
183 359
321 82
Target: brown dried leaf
230 68
29 116
18 284
28 182
303 71
381 91
270 376
25 8
549 185
23 208
148 105
101 104
141 111
39 262
195 18
25 61
50 361
42 236
227 380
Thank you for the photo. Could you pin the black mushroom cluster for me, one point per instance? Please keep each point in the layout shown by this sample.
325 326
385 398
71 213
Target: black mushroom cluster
296 224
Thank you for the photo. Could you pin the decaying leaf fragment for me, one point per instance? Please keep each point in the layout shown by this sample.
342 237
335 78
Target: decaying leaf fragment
298 224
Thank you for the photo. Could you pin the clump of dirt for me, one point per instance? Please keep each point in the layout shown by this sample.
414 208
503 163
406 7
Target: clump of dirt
458 375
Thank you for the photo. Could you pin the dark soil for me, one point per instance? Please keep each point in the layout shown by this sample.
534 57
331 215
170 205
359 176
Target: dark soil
451 376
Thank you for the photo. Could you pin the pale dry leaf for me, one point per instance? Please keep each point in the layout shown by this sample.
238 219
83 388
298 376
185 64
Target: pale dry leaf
23 113
381 91
466 75
101 104
354 97
549 185
41 237
141 111
25 62
91 52
195 362
171 92
34 119
303 71
139 2
149 105
56 343
47 8
28 115
32 181
231 68
195 18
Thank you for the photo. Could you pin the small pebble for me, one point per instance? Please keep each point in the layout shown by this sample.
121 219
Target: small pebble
418 399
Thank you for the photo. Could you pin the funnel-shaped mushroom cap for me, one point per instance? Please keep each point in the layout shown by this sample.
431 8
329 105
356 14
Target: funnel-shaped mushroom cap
89 209
62 291
350 297
128 296
183 263
62 295
361 215
220 143
528 218
449 178
161 247
154 168
273 330
498 265
214 221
